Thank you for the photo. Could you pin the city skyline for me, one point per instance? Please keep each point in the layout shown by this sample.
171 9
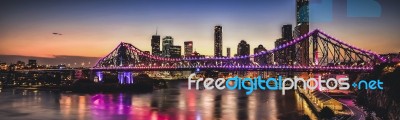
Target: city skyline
39 41
200 59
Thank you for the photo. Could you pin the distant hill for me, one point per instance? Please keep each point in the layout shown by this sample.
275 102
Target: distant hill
55 60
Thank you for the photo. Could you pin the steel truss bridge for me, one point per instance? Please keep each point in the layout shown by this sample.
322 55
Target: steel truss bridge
324 53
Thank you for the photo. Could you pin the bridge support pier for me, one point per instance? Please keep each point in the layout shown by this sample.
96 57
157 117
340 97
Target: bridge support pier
125 78
99 75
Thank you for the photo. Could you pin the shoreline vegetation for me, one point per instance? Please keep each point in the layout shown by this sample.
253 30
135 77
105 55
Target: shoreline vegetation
385 103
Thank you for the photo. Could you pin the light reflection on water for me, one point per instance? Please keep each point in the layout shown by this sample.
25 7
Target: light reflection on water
174 103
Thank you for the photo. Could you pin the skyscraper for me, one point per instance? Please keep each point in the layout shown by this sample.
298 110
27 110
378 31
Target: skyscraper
243 49
261 59
291 50
218 41
302 27
228 52
167 42
188 48
287 32
175 51
155 45
302 12
287 55
279 56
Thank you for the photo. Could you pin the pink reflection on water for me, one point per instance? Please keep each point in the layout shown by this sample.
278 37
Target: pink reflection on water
179 103
106 107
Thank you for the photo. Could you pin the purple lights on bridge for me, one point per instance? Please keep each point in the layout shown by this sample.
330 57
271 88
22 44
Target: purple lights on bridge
382 59
299 68
292 42
333 55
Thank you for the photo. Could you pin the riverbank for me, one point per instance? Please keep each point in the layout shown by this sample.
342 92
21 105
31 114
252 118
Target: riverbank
86 86
317 100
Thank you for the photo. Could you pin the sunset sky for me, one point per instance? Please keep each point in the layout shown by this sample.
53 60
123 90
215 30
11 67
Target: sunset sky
94 28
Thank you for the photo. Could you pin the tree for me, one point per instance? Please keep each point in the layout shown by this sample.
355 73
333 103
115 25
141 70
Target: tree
326 113
305 117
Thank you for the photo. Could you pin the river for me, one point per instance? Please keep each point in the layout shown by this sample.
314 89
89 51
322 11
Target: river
173 103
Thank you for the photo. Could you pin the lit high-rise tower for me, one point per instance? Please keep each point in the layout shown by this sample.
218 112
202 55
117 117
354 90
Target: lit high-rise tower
155 45
228 52
218 41
302 12
261 59
302 27
188 48
243 49
167 42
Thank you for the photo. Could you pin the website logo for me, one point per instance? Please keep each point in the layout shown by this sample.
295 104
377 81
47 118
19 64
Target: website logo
251 84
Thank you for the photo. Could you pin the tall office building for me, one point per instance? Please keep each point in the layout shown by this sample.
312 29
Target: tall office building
261 59
285 56
302 12
228 52
279 55
218 41
302 27
188 48
243 49
291 50
175 51
287 32
167 42
155 45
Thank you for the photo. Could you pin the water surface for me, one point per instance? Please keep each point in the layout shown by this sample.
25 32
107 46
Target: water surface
174 103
